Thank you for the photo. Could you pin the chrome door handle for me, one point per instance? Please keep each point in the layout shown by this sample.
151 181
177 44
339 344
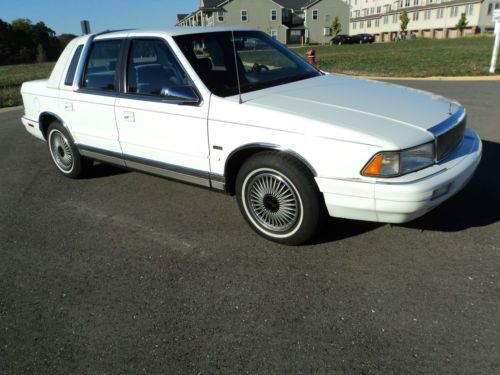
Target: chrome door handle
129 116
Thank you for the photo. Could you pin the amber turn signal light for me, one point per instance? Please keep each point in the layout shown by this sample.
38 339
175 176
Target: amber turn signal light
374 168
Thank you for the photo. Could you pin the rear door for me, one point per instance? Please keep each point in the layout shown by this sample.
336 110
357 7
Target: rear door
157 135
89 111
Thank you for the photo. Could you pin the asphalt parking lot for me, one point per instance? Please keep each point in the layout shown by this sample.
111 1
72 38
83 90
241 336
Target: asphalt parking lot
129 273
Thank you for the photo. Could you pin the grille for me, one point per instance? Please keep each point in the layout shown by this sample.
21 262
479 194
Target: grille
448 141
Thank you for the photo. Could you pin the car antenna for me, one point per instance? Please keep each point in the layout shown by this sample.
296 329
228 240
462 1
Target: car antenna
236 65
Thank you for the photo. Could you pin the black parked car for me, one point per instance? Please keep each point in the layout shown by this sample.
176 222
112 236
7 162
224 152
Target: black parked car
363 38
340 39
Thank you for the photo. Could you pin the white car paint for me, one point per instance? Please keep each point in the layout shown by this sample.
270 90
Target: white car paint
334 124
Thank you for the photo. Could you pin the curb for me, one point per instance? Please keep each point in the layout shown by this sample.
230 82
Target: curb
451 79
11 109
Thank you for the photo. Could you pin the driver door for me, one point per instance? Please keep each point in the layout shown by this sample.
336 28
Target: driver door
156 135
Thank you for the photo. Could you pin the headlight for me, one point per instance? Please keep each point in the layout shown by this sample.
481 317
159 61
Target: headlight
392 164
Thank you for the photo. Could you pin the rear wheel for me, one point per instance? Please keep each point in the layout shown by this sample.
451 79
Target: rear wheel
64 153
279 198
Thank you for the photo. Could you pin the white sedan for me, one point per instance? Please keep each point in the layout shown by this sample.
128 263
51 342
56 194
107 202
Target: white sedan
234 110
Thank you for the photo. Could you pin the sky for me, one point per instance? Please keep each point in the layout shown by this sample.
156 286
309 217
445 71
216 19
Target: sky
65 16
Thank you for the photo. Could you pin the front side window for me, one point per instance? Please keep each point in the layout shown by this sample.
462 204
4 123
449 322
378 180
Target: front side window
315 15
260 61
152 67
101 66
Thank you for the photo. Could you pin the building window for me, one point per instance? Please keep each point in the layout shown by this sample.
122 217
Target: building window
439 13
379 9
453 11
377 22
274 34
354 25
315 14
469 9
220 15
328 18
415 2
274 15
407 3
427 14
386 20
490 9
244 15
395 18
361 24
415 16
327 31
372 10
369 23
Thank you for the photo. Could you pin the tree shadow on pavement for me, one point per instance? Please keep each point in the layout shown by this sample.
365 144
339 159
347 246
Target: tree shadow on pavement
477 205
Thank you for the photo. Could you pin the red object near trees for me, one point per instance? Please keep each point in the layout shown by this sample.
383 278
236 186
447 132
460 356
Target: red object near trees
311 56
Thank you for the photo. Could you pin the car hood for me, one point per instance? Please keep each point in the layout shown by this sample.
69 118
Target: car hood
357 109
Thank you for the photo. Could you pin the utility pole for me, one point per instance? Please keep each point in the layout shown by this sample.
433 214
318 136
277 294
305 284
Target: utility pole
496 19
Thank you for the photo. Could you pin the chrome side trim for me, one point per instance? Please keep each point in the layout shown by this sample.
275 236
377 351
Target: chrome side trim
271 146
31 120
449 123
102 155
218 182
175 172
169 173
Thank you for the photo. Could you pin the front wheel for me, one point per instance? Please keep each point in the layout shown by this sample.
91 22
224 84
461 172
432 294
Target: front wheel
278 197
64 153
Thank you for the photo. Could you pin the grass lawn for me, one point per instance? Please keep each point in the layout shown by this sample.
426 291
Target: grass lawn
414 58
12 76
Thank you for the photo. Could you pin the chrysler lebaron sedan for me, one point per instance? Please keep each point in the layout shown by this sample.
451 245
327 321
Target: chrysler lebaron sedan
235 111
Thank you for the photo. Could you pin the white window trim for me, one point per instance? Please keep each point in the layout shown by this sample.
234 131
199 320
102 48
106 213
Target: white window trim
315 17
241 15
219 12
275 14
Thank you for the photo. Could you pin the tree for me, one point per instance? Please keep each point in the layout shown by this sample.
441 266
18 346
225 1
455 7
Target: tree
462 24
41 56
336 26
64 39
404 20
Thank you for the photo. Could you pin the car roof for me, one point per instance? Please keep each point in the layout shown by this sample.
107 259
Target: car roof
167 32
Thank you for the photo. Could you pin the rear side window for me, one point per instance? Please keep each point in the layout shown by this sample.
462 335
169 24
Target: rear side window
70 76
101 66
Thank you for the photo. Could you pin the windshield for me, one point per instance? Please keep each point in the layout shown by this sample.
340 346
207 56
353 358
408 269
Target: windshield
262 62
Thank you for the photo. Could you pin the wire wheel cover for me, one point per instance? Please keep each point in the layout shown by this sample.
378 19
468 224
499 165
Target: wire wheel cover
273 201
61 151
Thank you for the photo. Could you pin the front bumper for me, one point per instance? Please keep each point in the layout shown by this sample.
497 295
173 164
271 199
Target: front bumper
405 198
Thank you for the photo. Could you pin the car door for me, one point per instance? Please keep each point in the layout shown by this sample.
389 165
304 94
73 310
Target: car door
159 135
89 109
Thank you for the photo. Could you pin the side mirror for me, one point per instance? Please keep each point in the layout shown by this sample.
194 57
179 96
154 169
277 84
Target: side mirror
181 94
